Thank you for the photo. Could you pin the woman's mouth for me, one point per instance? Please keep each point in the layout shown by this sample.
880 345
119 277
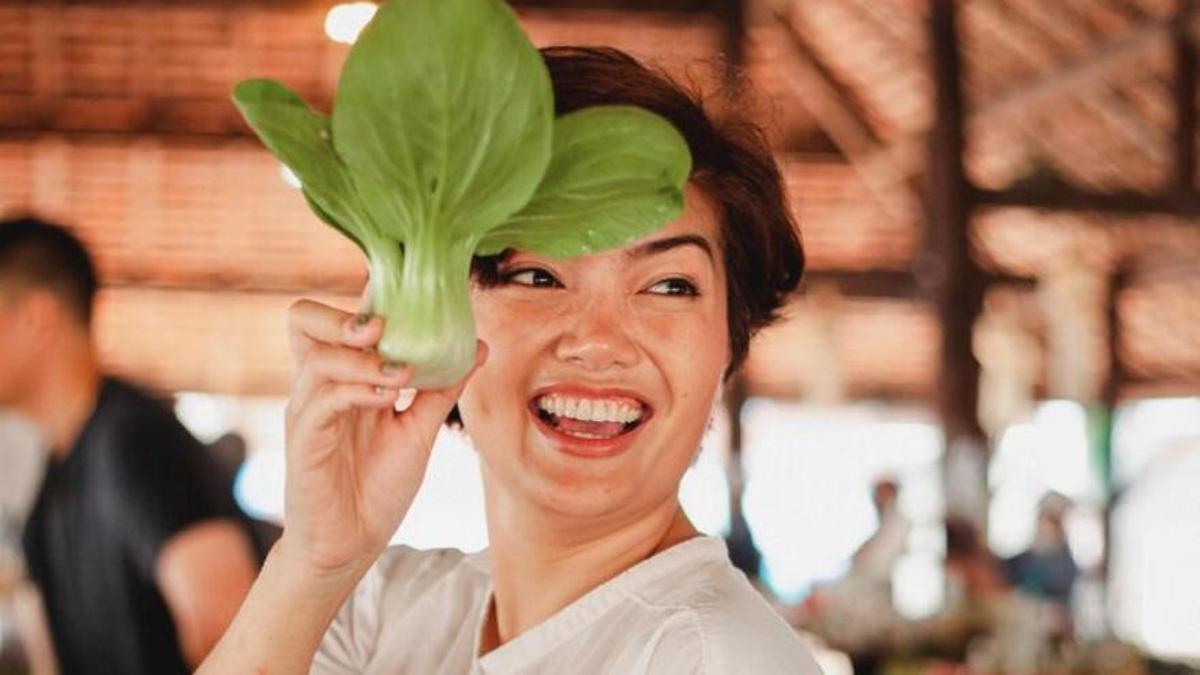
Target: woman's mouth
590 419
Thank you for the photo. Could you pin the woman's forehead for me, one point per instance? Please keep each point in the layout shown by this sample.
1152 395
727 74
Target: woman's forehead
698 224
699 219
699 216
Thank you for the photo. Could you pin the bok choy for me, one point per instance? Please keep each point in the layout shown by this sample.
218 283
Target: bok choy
443 145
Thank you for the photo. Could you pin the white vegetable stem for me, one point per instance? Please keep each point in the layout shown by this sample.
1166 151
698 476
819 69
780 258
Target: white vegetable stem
423 295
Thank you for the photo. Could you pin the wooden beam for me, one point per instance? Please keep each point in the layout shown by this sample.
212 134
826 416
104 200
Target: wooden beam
999 18
1074 75
829 101
1110 396
884 19
1184 48
349 288
1130 123
1071 199
732 14
1171 386
882 284
898 284
887 169
835 110
1118 282
680 6
961 288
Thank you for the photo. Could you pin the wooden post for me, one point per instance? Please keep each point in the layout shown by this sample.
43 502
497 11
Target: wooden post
732 14
961 282
735 398
1111 396
1184 48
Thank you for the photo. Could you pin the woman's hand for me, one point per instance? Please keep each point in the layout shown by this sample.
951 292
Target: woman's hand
354 464
353 468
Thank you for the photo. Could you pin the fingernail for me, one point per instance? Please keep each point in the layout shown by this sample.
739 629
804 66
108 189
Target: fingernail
360 320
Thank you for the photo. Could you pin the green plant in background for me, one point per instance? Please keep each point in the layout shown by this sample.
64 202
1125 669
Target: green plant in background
443 145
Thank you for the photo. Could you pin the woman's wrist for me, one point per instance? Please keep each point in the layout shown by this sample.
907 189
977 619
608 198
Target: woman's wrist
288 610
298 568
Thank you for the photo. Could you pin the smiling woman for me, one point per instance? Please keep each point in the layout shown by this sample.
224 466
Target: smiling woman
594 382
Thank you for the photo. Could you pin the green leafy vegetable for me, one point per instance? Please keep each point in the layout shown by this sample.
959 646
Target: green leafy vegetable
443 145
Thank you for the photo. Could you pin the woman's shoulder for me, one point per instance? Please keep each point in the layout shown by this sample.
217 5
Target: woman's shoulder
402 563
402 589
402 575
720 623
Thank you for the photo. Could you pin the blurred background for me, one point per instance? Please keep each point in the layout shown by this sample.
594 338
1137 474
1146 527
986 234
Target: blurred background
974 442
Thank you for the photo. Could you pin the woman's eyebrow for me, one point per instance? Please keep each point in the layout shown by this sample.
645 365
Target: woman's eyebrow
660 245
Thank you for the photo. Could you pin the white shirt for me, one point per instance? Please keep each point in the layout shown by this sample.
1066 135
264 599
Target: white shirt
684 610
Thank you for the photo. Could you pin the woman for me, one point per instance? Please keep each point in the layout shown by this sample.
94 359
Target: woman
594 383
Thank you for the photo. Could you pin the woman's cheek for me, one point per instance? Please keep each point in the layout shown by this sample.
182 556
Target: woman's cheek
683 334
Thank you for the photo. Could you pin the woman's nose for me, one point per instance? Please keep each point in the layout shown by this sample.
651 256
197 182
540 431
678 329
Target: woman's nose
596 337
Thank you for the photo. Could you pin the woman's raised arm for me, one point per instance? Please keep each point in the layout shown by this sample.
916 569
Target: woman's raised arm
354 465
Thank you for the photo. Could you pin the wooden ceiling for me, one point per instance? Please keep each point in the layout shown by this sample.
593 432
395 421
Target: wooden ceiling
115 118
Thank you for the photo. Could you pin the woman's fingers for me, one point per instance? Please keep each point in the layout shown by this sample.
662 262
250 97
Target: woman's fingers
429 409
311 322
333 399
328 363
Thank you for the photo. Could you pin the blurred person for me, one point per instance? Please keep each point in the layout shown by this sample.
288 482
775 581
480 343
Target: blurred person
138 556
983 621
230 452
592 565
878 555
972 571
856 613
870 576
1047 569
743 550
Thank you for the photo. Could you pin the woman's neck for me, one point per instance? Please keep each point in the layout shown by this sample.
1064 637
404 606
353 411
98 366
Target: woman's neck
538 568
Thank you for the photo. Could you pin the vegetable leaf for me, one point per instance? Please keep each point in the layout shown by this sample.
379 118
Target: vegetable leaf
443 145
300 137
614 177
448 109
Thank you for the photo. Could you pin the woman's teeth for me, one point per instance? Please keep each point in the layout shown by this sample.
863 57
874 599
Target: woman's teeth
590 410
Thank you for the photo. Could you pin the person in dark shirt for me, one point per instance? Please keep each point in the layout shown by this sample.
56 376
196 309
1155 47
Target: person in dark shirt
139 554
1047 569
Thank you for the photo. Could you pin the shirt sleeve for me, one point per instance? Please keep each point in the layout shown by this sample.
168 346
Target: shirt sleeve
753 641
730 637
350 639
381 609
678 646
159 481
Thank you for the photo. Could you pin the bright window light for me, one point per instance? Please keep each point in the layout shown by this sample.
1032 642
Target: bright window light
1154 597
448 509
344 22
1142 428
258 487
1050 452
704 491
803 464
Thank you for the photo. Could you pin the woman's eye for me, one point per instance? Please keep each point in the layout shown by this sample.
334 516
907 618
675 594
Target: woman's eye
537 278
674 286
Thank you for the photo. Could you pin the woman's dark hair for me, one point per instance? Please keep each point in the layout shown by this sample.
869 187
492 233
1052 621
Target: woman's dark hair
731 163
35 253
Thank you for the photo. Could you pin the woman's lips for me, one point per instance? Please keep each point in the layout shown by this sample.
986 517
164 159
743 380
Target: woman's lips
580 446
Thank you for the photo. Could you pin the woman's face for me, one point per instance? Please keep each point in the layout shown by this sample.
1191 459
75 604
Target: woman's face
602 370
